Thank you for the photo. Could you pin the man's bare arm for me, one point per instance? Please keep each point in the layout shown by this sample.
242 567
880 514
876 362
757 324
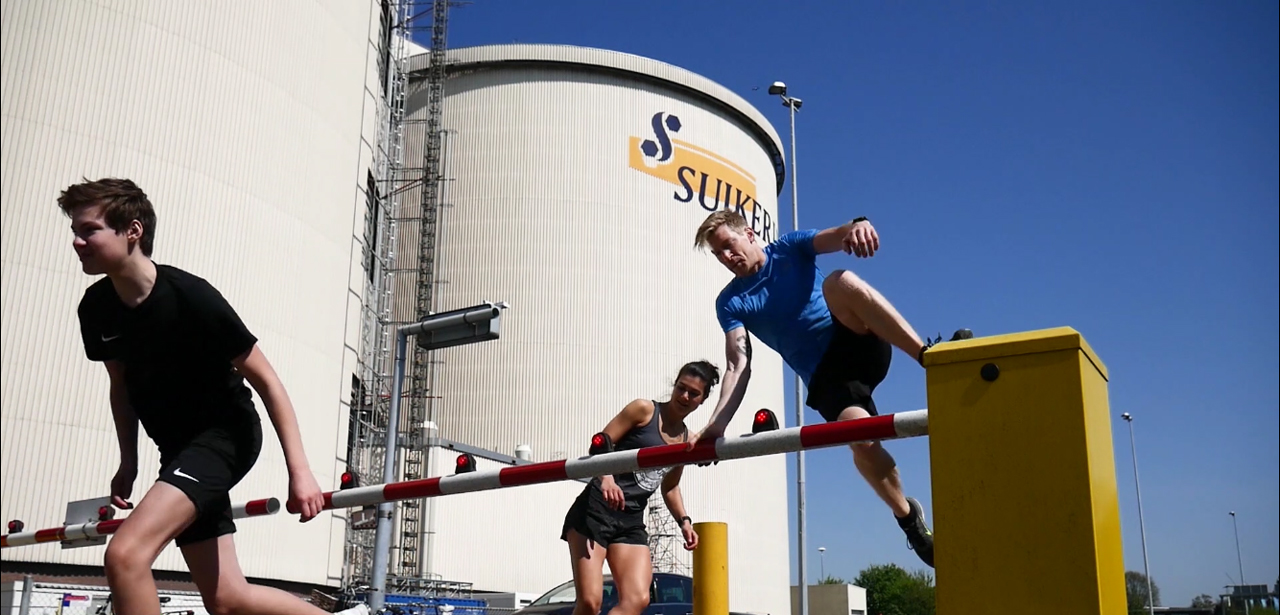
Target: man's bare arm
734 385
858 238
126 422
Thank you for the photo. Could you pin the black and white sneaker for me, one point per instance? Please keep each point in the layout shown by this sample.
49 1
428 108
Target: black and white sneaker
960 334
919 536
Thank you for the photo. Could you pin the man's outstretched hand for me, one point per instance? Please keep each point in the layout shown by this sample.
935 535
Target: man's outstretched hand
710 432
862 240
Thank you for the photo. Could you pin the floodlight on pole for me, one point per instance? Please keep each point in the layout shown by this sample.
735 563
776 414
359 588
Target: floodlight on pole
779 89
1239 560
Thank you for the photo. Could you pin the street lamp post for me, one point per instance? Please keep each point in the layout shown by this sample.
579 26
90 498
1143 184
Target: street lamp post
470 325
822 563
1142 528
779 89
1239 561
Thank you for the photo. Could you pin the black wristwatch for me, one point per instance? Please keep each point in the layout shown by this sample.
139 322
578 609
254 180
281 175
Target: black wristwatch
685 518
859 219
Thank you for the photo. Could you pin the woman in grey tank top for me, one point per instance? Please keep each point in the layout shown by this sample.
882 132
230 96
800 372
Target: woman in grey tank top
606 521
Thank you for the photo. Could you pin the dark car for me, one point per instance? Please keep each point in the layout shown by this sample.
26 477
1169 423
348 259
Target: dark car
669 594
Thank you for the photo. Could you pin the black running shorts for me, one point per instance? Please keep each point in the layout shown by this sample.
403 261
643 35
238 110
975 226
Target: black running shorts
206 469
850 369
591 516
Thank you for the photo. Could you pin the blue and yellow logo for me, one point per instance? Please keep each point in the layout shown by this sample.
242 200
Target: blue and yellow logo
715 181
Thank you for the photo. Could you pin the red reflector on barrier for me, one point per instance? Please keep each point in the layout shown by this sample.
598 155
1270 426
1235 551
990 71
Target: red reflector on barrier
466 463
764 421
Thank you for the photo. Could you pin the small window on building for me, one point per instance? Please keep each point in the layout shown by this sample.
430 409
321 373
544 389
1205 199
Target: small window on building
372 220
384 55
361 414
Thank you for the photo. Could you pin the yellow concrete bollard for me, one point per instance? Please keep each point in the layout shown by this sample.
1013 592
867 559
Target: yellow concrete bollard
711 569
1024 483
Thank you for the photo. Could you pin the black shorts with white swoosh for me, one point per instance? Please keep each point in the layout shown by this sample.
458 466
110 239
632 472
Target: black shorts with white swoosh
206 470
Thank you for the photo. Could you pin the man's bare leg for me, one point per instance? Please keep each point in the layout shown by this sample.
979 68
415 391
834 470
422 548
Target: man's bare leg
161 515
862 309
873 462
877 467
855 302
216 571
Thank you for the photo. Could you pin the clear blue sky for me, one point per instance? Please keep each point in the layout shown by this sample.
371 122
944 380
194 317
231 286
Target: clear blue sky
1109 167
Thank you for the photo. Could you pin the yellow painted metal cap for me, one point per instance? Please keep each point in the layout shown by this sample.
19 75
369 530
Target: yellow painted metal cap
1012 344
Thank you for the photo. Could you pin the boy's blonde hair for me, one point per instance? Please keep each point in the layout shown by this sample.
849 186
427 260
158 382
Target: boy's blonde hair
722 217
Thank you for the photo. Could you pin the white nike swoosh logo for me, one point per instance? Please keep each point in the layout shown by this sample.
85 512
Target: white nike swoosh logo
107 339
179 472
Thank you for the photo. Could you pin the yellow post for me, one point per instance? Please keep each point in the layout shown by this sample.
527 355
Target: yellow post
711 569
1024 482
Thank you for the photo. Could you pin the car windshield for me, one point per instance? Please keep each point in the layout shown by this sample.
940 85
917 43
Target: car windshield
561 594
673 590
567 594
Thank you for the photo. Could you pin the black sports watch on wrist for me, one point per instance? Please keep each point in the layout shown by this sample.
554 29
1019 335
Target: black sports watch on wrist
686 518
859 219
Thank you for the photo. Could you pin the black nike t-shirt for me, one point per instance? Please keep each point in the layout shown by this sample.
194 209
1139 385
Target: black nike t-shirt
176 348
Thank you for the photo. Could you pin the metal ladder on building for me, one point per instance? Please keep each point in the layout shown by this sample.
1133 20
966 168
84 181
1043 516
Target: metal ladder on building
371 393
430 188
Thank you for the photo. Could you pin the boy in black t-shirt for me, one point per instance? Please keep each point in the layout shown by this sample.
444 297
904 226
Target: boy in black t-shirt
178 356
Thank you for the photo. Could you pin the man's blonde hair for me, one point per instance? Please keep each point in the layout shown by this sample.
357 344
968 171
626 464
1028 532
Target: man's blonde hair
722 217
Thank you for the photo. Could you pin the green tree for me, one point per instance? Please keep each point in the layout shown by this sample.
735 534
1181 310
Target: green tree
1135 589
1202 601
830 580
894 591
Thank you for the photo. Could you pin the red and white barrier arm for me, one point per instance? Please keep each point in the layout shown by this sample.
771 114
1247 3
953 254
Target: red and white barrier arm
887 427
253 508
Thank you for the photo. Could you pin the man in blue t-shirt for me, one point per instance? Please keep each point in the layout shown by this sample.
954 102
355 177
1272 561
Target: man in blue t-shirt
835 331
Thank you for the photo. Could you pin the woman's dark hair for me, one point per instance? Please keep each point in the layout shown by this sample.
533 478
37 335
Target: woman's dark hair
709 374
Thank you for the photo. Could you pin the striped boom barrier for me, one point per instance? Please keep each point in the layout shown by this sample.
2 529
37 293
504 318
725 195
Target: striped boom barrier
887 427
253 508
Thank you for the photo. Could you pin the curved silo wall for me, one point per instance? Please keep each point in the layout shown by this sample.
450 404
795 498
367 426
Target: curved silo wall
250 131
575 179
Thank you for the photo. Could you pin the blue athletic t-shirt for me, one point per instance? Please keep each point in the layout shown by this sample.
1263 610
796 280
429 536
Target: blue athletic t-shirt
782 304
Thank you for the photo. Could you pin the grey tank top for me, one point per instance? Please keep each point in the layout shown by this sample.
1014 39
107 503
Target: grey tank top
638 486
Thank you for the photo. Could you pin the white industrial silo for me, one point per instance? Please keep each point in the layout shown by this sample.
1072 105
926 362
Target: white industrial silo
574 181
249 128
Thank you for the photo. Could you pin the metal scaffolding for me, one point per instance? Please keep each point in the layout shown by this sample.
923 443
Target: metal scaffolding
412 533
403 194
371 388
666 541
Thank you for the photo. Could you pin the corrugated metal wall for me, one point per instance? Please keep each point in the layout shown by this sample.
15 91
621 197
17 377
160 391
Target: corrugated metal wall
550 207
249 129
